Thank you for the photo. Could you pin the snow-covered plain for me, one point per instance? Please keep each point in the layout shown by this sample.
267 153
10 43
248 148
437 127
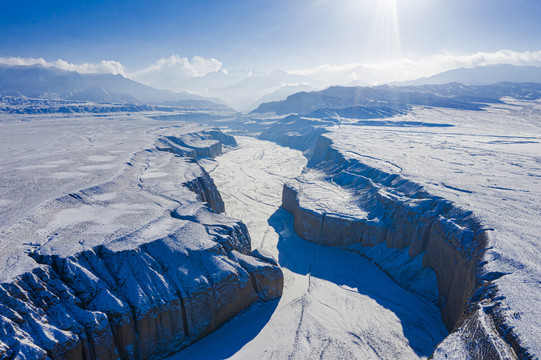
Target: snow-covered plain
335 305
112 243
45 156
488 162
460 189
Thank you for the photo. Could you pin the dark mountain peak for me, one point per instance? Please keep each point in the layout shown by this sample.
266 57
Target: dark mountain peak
41 82
385 99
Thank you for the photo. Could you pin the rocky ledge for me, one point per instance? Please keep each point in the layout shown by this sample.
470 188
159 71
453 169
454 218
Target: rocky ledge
428 244
134 267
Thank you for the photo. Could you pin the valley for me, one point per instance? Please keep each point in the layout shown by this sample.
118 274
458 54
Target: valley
335 305
154 233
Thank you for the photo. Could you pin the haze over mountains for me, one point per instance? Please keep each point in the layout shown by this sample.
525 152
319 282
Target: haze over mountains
244 91
361 102
482 75
57 84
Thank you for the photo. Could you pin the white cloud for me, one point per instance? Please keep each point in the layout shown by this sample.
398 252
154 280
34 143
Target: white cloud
170 72
409 69
103 67
207 77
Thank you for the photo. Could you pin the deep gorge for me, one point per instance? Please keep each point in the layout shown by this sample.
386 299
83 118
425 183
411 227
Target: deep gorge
140 294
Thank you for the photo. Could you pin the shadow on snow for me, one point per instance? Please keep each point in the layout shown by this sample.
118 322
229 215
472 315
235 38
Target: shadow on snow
421 322
227 340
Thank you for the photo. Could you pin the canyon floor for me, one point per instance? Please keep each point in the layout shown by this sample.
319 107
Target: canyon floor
335 305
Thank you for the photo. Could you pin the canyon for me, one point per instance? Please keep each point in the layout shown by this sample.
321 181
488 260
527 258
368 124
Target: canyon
136 235
138 263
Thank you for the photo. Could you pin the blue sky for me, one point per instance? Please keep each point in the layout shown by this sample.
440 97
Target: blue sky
265 35
231 49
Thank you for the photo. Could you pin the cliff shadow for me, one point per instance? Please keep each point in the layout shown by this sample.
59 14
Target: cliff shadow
421 321
232 336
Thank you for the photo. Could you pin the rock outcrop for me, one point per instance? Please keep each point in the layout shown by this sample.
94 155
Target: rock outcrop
136 267
295 132
388 209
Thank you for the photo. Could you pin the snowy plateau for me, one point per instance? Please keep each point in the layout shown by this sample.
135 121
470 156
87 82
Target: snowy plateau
324 228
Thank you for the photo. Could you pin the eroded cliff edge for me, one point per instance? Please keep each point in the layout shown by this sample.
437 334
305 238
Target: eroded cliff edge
383 216
135 267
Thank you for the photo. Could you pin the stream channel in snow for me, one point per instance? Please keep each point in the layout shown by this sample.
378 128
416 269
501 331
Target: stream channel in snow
335 304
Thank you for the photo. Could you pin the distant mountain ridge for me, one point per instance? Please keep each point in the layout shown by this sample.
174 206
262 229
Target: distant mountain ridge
396 99
52 83
482 75
257 88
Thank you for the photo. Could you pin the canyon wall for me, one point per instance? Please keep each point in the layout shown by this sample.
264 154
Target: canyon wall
136 267
401 214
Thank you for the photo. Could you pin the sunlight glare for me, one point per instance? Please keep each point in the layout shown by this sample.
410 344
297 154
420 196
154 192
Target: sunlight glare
384 39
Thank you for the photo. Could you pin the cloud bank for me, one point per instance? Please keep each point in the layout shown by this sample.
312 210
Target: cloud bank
103 67
411 69
171 72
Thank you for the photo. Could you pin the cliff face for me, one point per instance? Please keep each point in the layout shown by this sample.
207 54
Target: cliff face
207 143
399 213
295 132
136 267
140 303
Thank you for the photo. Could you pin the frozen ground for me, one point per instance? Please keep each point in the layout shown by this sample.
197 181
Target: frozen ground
335 305
488 162
43 157
112 242
46 157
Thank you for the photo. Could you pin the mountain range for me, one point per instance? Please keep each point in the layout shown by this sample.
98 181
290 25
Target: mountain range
52 83
269 92
482 75
368 102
